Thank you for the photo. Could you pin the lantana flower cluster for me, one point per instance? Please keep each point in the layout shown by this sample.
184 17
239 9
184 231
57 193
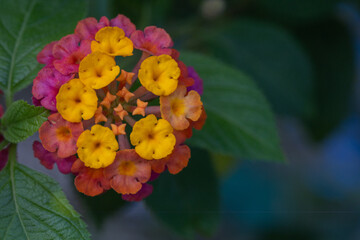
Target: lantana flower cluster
111 127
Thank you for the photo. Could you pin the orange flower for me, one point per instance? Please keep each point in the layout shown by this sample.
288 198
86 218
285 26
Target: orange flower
59 135
178 108
127 173
175 162
182 135
201 121
89 181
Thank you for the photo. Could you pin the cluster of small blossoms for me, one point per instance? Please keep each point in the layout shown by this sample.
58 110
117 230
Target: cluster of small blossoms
106 127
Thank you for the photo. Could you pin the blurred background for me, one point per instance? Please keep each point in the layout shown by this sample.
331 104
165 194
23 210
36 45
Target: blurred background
305 57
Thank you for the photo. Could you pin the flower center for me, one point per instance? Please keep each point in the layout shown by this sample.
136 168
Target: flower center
76 58
178 107
151 136
97 144
127 168
63 133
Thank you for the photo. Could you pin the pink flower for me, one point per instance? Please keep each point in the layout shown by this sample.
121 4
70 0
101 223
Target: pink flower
88 27
144 192
60 136
124 23
36 101
48 159
152 40
3 155
45 56
46 86
68 53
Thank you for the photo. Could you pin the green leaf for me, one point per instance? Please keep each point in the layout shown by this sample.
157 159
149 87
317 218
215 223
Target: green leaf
22 120
189 201
273 58
239 121
25 27
34 207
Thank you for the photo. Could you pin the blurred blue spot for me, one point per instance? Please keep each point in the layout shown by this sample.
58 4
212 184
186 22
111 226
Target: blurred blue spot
338 173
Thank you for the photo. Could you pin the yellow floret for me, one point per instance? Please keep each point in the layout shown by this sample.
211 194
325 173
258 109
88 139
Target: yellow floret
159 74
97 70
97 148
75 101
112 41
152 138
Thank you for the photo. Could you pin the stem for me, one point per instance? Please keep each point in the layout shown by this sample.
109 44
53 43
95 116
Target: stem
153 110
8 98
12 156
136 68
129 120
141 91
123 142
148 97
12 152
113 87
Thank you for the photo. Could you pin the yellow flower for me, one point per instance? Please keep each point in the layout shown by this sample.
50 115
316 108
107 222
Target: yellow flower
178 108
112 41
97 70
152 138
97 148
159 74
75 101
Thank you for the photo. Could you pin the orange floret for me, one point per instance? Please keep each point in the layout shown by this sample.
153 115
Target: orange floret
175 162
178 108
128 172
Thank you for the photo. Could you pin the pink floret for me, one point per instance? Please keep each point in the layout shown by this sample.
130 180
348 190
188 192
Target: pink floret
153 40
88 27
144 192
46 86
48 159
124 23
68 53
45 56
